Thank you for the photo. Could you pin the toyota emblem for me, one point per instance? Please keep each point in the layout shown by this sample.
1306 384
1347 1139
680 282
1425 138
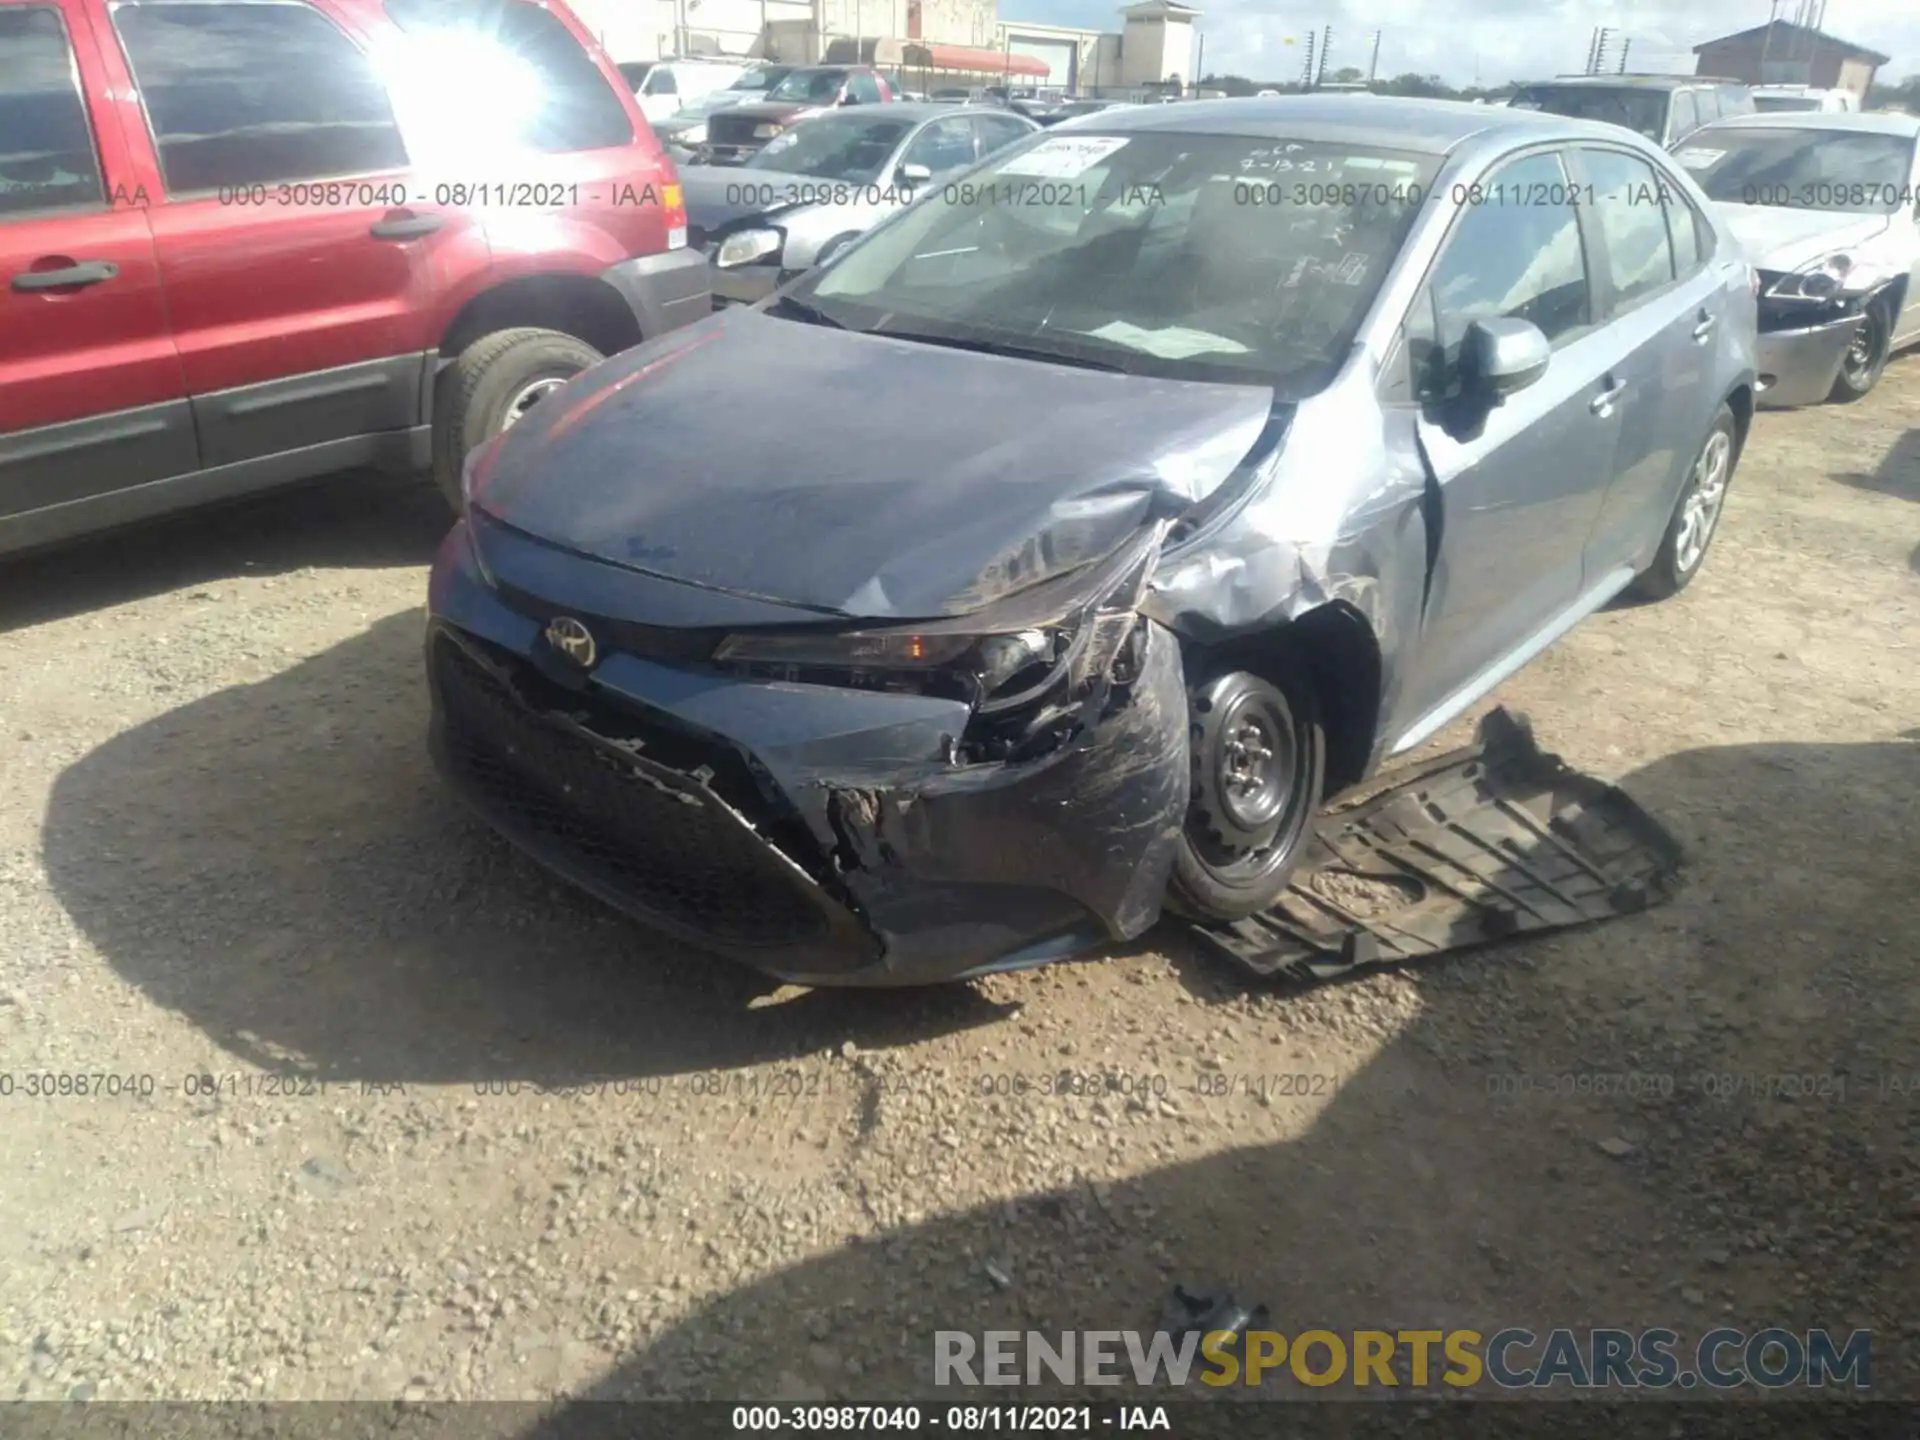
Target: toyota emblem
573 640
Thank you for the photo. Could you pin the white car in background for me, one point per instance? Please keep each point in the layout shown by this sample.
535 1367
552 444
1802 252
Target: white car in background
665 87
1827 207
1773 99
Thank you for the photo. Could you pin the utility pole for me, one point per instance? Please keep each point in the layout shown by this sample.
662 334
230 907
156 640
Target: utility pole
1326 44
1593 51
1306 73
1200 64
1373 65
1625 46
1601 41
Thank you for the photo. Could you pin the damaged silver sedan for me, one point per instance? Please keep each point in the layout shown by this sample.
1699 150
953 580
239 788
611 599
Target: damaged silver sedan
1828 208
1049 556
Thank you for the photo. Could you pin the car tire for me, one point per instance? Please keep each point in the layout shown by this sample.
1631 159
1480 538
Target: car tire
1240 842
495 381
1696 514
1866 358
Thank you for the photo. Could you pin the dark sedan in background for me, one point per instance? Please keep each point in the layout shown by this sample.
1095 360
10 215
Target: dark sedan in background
825 181
1049 556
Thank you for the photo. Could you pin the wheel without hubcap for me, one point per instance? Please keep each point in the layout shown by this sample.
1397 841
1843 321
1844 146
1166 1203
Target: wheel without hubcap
1866 357
1259 762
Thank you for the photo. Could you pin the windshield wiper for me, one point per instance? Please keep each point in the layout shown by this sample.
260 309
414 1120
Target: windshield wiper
1018 352
792 309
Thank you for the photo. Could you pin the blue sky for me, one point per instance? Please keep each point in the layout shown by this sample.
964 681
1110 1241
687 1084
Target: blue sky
1502 39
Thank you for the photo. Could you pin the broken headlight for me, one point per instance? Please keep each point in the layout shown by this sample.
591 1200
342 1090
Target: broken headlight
993 671
1820 280
1010 656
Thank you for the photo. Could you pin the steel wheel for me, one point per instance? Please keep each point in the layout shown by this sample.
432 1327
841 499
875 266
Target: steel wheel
1259 764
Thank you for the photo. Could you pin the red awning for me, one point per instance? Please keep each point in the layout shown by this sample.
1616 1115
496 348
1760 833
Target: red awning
973 61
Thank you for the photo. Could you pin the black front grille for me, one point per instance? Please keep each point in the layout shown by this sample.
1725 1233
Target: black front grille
726 129
670 850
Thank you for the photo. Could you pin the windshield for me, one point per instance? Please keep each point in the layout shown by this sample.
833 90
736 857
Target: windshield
1644 111
1802 169
834 147
1192 256
813 87
1784 102
764 78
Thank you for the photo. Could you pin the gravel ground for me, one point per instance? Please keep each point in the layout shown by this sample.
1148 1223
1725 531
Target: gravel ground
391 1115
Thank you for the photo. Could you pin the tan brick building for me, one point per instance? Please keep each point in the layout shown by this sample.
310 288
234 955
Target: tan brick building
1785 54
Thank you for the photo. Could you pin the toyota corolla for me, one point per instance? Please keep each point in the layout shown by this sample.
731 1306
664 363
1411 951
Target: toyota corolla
1046 558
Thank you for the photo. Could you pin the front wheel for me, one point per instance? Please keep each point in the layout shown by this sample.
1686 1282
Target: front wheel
1696 518
1866 357
496 381
1259 758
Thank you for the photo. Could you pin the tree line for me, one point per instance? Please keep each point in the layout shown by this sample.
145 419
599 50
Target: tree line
1905 95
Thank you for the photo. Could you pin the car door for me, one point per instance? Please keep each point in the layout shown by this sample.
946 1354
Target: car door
1519 492
296 251
91 393
1662 305
1907 219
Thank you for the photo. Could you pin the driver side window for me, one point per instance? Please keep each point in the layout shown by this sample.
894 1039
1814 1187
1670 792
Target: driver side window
861 90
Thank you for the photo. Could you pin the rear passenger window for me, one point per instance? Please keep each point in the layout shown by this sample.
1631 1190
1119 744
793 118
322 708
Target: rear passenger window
252 94
1630 201
1735 100
564 102
46 144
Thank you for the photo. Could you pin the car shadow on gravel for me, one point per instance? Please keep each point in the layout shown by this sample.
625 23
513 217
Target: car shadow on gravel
279 863
1429 1190
359 519
1897 474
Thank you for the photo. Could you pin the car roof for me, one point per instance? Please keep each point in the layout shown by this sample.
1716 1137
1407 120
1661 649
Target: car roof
1628 82
1863 122
1384 122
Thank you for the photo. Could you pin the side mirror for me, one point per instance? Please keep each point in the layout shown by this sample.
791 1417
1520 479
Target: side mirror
1503 357
909 176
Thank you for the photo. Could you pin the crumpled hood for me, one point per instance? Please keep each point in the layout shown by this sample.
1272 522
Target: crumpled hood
853 474
1778 238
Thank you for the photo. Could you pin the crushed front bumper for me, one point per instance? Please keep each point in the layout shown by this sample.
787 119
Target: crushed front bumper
815 833
1799 366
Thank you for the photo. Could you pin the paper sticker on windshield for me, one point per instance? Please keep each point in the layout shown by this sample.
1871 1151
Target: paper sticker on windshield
1063 157
1697 158
1174 342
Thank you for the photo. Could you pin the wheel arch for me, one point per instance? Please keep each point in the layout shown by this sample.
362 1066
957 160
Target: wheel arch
1337 648
582 306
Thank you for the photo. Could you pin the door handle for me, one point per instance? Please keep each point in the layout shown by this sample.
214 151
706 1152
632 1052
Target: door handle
1704 328
87 272
1602 404
406 227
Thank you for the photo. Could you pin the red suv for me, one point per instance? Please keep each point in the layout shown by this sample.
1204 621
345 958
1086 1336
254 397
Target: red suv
735 134
243 244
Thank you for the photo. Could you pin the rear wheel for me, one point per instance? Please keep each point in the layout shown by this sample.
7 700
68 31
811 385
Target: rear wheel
496 382
1696 518
1259 759
1866 358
